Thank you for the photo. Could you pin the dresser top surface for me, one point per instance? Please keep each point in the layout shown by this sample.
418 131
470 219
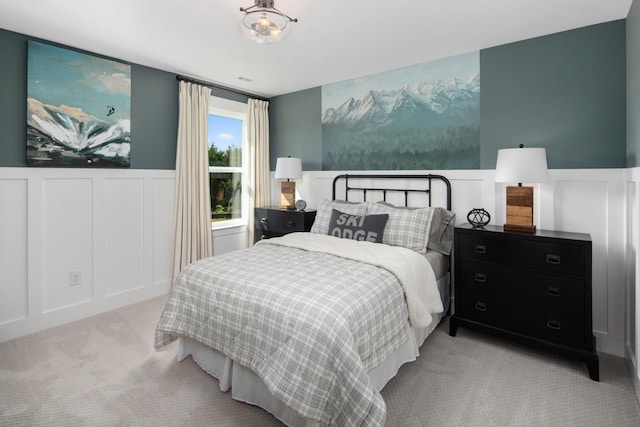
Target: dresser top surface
278 208
539 233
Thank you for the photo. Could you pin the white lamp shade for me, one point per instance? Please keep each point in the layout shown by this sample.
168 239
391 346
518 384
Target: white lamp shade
288 168
522 165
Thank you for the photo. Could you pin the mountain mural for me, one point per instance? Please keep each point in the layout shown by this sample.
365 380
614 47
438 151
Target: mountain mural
423 125
67 136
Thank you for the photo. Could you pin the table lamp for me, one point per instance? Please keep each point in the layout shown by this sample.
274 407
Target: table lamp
521 165
288 168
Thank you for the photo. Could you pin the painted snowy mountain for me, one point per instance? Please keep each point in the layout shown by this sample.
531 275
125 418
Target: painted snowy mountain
444 102
423 125
67 136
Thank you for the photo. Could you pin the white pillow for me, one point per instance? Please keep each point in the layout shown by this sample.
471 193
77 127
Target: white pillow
325 207
408 228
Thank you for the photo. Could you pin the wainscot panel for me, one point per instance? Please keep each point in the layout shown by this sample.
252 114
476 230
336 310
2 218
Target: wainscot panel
83 241
13 250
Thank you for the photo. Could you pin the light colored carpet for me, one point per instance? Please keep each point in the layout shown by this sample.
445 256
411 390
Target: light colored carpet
103 371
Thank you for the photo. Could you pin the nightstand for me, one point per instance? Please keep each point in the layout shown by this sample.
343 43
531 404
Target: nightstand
274 221
532 288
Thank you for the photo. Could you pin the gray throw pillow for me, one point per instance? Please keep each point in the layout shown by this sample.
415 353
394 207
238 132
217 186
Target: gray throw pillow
357 227
441 233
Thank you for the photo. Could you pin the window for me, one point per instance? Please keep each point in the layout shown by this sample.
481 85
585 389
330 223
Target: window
227 162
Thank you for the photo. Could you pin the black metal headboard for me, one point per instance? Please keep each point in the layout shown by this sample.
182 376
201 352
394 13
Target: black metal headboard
422 179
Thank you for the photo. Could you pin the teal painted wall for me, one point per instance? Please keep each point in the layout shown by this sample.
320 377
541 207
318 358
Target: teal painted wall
633 85
13 102
565 92
154 118
154 108
295 129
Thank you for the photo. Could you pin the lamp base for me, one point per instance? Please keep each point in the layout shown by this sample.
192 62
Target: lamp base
288 195
520 228
520 210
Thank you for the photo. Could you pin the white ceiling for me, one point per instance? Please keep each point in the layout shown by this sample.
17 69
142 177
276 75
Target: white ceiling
334 40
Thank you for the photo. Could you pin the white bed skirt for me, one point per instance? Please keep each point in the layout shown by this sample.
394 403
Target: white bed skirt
247 387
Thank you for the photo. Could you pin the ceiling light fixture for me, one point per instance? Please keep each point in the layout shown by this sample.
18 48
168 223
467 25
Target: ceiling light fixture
263 23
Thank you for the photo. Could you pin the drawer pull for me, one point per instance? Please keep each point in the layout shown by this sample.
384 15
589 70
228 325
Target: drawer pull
290 223
481 306
480 277
480 249
553 259
553 324
553 291
264 220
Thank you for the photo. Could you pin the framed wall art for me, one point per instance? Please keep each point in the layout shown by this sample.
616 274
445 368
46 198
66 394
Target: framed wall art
78 109
424 116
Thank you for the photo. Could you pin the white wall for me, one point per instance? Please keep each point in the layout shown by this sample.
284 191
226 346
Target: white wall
115 228
632 279
229 239
112 227
589 201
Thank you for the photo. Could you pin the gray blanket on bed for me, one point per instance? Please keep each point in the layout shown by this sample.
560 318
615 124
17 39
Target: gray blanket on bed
310 337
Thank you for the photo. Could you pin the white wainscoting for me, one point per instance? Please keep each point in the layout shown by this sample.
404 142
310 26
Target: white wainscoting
229 239
14 301
115 228
578 200
111 229
632 279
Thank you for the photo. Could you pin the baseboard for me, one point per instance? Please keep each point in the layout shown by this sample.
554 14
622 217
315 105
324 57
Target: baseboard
634 377
606 343
36 323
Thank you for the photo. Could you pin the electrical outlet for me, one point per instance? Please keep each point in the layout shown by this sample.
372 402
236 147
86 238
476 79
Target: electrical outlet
75 278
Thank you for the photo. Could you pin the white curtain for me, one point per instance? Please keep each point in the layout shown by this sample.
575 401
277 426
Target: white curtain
259 176
192 231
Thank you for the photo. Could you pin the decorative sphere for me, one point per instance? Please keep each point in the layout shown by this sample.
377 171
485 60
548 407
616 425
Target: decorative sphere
478 217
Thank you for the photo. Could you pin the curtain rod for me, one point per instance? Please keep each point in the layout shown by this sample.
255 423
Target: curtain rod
215 86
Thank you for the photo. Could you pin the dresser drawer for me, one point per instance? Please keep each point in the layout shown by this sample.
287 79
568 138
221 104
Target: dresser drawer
286 221
534 288
549 256
559 325
502 279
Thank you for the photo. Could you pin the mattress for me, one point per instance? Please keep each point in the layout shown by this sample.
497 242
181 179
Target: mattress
247 387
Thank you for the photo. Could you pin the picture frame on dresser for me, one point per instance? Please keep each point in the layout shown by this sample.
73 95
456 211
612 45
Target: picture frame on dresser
531 288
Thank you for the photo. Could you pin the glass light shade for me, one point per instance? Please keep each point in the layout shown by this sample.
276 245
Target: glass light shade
288 168
521 165
264 26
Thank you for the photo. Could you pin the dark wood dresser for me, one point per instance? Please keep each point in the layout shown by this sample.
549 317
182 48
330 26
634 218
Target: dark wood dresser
533 288
274 221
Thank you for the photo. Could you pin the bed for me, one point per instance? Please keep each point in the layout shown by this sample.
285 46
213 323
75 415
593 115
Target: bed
311 326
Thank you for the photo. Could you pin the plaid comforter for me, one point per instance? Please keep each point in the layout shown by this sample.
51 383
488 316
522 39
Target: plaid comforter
309 324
